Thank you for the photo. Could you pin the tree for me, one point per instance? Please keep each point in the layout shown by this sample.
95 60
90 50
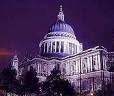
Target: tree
56 85
31 82
108 90
8 79
111 68
8 74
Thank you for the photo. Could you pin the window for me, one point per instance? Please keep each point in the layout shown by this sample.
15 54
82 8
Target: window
57 47
64 71
85 85
44 68
73 67
49 48
74 49
42 48
57 66
62 46
76 67
72 70
53 47
84 64
95 66
45 47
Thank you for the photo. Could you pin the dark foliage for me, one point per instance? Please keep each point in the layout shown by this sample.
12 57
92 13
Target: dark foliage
56 85
31 82
8 75
107 90
8 80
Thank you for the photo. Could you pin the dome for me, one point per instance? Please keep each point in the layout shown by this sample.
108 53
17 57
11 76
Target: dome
61 26
60 41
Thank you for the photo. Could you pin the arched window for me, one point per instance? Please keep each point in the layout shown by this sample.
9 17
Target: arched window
95 65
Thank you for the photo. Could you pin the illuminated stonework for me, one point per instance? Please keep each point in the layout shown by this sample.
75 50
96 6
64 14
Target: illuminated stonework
60 40
86 70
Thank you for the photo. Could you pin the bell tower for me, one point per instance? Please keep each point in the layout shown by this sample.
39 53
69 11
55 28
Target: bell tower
15 63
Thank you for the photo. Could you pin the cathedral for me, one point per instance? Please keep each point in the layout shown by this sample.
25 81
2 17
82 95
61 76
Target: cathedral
85 69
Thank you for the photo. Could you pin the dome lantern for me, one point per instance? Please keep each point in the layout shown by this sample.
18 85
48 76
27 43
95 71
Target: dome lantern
60 25
61 14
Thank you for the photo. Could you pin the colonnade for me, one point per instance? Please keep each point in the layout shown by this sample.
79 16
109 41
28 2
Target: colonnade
59 47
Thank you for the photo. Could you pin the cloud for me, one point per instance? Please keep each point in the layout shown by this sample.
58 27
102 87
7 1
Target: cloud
5 52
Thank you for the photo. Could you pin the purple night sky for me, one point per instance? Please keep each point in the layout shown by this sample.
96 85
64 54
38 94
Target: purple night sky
23 23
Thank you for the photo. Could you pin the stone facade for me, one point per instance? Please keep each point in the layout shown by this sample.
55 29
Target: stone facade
86 70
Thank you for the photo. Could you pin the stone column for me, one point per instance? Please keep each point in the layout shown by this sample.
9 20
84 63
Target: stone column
51 47
55 46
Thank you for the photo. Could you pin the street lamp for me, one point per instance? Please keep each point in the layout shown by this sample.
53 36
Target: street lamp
92 93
